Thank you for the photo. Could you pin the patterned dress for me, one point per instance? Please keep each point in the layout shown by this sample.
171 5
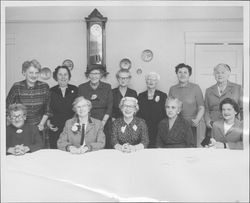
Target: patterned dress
134 133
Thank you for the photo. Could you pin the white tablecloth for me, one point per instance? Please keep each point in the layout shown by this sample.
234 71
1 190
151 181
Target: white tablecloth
109 175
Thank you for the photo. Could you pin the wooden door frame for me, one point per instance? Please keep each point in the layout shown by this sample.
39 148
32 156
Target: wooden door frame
193 38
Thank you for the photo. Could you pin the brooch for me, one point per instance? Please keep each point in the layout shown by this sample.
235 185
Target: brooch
134 127
19 131
93 97
157 98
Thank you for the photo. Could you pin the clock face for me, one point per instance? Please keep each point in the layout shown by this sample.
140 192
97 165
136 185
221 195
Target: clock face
96 29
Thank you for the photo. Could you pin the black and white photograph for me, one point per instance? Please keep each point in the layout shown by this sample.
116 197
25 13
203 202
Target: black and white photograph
124 101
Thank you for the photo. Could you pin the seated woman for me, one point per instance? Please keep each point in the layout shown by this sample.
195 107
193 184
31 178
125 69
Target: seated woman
21 137
174 131
81 133
228 132
129 133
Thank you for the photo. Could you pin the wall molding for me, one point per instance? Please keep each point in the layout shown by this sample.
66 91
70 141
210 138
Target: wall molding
132 20
193 38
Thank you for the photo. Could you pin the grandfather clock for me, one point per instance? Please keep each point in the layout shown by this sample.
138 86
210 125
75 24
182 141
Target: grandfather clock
96 40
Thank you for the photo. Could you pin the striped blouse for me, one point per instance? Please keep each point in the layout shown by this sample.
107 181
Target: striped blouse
36 99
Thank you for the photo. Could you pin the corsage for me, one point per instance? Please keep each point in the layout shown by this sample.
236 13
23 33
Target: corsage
123 128
19 131
157 98
93 97
76 127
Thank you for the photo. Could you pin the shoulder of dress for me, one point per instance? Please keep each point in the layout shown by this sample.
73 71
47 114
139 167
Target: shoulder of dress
19 83
142 94
96 121
72 86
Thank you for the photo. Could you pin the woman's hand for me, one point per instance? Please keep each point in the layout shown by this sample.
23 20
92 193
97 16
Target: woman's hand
74 150
126 148
40 127
195 122
19 150
83 149
214 144
51 127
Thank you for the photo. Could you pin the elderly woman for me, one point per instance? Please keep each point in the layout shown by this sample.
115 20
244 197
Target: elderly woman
21 137
123 77
174 131
228 132
100 94
216 93
191 96
32 93
61 99
152 106
82 133
129 132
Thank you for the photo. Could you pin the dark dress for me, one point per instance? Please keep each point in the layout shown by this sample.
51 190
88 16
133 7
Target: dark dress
179 136
61 108
29 136
152 111
117 96
102 102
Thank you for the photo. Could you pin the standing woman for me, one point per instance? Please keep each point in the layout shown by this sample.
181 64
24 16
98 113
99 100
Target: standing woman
216 93
32 93
152 106
100 95
191 96
123 77
61 99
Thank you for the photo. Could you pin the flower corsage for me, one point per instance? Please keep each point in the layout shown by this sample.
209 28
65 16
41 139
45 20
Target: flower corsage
157 98
76 127
19 131
93 97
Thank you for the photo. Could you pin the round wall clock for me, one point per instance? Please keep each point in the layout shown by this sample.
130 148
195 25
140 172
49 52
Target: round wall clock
147 55
125 63
96 30
68 63
45 73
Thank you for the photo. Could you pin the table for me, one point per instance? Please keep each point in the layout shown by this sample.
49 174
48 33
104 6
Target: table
109 175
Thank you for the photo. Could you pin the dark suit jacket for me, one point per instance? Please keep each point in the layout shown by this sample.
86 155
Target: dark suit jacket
152 111
212 100
117 96
233 137
179 136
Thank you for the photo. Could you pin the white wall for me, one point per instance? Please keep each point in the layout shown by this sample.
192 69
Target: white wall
52 42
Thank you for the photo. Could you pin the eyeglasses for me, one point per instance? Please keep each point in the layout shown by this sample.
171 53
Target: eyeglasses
18 117
124 78
128 106
94 73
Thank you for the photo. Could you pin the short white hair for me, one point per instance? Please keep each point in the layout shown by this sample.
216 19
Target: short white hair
134 100
153 74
